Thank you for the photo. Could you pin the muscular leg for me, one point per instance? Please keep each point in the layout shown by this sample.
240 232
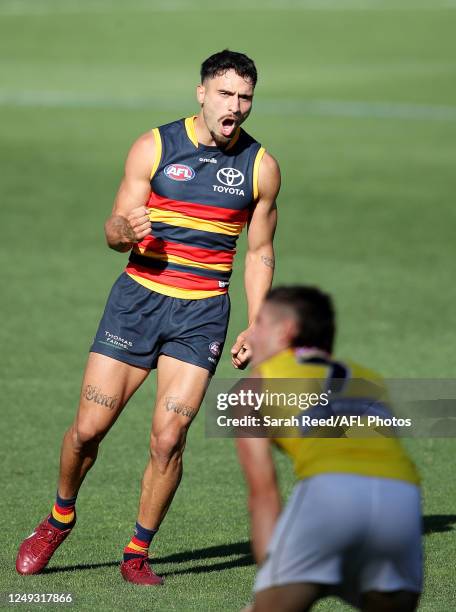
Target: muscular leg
180 390
107 386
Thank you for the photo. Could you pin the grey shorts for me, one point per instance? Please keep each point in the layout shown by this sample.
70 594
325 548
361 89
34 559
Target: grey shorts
356 533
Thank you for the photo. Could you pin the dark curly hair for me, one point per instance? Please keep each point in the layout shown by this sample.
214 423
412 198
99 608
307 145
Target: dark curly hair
220 62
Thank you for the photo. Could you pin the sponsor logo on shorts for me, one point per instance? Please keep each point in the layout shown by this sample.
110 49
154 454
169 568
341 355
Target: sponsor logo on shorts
230 179
179 172
214 347
116 341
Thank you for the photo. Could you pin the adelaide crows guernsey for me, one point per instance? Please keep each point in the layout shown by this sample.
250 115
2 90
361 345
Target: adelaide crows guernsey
379 456
201 198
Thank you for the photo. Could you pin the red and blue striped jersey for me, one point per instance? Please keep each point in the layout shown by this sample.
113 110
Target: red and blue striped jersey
201 198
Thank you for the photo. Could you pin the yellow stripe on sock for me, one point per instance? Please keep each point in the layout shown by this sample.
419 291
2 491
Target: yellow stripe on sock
62 518
136 547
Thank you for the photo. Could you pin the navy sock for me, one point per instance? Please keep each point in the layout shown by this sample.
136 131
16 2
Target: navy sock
138 547
63 513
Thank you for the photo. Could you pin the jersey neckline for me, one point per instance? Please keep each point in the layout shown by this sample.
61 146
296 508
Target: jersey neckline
189 123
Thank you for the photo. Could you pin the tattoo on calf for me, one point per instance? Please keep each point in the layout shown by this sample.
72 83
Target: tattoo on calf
268 261
173 403
94 394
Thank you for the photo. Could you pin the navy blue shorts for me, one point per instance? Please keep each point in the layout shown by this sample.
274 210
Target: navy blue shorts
138 325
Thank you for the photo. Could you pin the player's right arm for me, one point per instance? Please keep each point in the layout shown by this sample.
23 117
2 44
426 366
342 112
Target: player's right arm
255 457
129 222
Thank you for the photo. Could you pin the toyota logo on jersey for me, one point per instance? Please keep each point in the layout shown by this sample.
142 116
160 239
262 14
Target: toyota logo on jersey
230 177
179 172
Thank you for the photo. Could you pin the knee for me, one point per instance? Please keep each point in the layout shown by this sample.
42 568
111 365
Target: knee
167 447
84 437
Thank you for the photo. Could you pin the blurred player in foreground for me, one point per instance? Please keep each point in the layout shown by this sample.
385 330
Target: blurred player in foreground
189 188
352 526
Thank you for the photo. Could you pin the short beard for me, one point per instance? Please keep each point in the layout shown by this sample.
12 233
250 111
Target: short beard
220 141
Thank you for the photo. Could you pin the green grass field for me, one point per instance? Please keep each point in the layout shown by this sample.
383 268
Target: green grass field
357 100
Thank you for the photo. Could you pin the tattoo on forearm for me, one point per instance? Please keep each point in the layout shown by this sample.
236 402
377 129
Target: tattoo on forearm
268 261
173 403
94 394
123 228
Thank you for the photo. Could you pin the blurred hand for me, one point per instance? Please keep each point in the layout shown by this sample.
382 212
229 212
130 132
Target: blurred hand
241 352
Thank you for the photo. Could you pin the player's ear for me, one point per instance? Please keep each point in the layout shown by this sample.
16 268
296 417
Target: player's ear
200 93
289 330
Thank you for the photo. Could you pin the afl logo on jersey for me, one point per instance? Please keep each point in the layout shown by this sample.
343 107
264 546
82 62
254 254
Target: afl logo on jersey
231 177
179 172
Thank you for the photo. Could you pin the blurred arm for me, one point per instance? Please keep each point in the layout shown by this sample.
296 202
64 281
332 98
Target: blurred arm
129 221
255 457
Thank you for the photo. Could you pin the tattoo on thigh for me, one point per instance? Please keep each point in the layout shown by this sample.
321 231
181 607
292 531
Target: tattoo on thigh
268 261
173 403
94 394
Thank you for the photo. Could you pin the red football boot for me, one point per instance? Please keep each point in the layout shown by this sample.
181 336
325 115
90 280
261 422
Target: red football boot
36 551
138 571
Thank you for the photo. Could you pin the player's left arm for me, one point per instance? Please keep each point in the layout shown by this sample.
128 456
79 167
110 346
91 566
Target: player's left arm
255 456
260 261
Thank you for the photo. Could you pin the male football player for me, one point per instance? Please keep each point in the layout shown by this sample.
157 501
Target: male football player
189 188
352 526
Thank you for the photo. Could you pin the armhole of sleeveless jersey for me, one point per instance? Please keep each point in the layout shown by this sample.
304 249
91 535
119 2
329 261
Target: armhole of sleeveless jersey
158 151
256 172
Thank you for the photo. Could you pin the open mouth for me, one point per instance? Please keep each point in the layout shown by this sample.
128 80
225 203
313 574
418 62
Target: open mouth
228 126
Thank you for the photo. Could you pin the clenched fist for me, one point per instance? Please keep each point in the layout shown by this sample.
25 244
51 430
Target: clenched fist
241 352
122 231
138 225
